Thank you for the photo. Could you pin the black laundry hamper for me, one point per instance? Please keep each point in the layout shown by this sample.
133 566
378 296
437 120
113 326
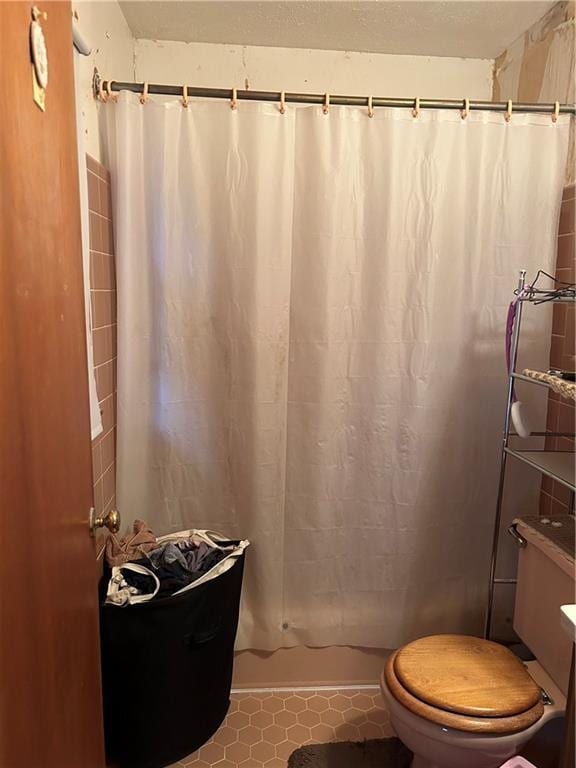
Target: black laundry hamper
167 671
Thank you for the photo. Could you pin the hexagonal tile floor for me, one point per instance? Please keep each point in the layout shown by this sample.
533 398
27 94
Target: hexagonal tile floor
263 729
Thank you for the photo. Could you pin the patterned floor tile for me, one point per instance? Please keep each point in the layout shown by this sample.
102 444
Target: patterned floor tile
263 729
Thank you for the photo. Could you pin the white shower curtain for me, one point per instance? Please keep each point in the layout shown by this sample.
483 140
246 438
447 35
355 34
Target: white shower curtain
311 314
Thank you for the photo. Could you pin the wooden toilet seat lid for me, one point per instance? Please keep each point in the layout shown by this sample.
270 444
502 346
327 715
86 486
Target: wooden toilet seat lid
490 726
466 675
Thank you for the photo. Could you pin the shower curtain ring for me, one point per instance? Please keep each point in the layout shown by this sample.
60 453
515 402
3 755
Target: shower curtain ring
556 112
326 105
370 107
508 115
466 109
416 107
109 95
234 99
184 95
144 94
282 102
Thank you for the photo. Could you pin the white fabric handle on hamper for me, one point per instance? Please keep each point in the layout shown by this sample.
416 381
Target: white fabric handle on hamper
118 593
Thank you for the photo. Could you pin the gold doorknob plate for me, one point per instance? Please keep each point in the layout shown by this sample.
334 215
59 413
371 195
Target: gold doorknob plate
110 520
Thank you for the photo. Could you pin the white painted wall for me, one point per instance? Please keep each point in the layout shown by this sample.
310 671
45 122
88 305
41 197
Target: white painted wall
294 69
119 57
103 25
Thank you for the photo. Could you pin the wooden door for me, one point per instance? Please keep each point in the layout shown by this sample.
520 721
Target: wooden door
50 698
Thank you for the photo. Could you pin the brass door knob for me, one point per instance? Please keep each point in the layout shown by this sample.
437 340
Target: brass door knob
111 520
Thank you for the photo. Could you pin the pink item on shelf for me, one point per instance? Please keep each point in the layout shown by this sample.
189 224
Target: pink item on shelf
518 762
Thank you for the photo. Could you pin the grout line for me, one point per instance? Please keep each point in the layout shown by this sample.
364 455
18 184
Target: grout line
110 325
102 435
104 505
308 688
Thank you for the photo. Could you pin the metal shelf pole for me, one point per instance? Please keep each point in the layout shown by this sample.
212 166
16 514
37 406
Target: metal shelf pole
503 459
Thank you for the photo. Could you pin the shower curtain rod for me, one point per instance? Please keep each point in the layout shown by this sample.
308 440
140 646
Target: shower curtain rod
104 87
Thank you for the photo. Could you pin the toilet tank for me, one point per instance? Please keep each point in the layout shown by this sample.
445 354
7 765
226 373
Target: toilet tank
545 582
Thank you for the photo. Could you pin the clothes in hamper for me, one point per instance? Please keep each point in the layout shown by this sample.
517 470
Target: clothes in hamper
172 577
166 555
142 583
130 547
196 554
176 566
193 557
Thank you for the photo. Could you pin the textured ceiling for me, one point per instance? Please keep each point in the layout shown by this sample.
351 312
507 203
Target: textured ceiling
466 28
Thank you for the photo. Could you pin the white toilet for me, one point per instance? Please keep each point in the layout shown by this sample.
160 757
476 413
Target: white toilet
458 701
